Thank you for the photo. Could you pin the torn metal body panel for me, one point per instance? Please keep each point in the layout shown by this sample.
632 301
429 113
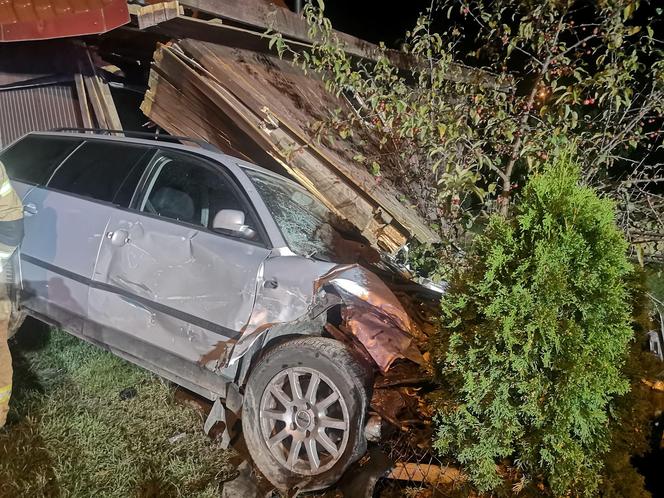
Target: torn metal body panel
298 294
375 316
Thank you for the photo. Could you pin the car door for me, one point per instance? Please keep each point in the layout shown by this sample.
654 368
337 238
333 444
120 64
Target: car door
64 226
164 278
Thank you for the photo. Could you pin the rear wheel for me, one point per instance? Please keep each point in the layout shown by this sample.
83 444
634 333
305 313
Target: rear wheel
303 413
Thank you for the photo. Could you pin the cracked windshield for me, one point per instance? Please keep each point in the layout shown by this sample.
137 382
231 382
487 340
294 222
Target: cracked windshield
302 219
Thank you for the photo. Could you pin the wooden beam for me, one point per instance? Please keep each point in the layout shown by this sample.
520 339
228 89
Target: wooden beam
145 16
431 474
101 99
83 101
112 116
262 15
95 100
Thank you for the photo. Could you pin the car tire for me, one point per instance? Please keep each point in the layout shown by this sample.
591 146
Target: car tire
325 418
16 319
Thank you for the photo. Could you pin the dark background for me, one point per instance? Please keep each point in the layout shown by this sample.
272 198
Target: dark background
374 20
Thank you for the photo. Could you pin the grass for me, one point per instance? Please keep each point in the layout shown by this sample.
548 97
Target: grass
71 434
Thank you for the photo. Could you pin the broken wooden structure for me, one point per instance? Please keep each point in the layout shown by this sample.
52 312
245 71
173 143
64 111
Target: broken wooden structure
258 107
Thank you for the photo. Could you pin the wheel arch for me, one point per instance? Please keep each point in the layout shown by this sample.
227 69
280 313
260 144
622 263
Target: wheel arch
273 337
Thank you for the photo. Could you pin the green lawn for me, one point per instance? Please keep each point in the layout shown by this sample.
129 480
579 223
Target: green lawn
70 433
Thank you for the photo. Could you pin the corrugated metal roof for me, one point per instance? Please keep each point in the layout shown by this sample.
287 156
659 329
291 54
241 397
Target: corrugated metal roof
42 19
37 108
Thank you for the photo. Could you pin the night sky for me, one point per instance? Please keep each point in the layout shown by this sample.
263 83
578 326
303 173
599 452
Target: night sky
374 20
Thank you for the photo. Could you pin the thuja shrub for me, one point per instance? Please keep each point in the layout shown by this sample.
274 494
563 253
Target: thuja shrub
534 334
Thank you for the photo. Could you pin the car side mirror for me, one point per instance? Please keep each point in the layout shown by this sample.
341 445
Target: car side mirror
232 220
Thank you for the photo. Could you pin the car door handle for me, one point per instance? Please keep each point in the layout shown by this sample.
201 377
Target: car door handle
30 209
118 237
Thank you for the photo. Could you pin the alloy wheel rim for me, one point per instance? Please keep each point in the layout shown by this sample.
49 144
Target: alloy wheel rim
304 420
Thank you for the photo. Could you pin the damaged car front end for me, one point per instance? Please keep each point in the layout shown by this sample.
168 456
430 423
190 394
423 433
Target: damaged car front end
314 288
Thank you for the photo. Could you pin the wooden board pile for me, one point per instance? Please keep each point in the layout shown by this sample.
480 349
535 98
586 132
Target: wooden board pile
255 106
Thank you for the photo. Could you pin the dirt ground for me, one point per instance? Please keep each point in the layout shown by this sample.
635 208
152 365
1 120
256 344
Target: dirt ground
85 423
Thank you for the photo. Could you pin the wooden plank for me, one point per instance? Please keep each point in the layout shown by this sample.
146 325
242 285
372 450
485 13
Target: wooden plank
83 101
145 16
101 98
95 100
112 117
429 473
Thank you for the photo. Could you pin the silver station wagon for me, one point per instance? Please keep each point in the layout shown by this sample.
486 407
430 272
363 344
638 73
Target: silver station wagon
220 276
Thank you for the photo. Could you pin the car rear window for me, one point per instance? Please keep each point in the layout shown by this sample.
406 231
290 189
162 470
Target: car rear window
34 158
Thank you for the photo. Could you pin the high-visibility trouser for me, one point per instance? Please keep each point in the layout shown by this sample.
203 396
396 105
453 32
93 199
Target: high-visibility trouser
5 356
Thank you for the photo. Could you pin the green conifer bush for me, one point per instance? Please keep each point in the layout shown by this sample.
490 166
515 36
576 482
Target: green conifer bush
534 334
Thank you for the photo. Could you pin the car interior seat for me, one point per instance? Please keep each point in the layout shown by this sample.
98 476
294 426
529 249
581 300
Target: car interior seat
173 203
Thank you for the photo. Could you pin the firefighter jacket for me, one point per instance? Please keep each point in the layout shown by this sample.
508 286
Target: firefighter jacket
11 217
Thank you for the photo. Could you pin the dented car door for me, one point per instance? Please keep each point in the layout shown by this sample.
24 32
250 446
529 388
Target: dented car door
171 272
64 224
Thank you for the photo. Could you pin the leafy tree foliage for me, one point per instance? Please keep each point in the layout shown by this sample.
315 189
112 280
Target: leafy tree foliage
534 337
472 108
481 91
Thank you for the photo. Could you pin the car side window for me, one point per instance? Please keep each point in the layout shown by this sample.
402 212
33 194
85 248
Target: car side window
98 169
34 158
186 189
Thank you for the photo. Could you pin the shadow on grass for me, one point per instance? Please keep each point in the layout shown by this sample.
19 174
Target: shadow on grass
25 463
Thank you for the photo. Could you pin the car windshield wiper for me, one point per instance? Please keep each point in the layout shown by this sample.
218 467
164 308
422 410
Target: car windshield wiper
319 256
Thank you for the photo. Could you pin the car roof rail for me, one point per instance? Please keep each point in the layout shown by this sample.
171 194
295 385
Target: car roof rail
141 134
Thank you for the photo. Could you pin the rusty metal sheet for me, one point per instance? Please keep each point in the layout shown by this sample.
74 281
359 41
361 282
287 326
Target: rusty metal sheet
374 315
45 19
37 108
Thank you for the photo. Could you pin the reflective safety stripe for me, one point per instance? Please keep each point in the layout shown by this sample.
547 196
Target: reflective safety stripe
5 393
5 188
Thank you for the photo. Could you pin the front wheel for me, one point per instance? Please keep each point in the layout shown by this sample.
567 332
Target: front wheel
303 413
